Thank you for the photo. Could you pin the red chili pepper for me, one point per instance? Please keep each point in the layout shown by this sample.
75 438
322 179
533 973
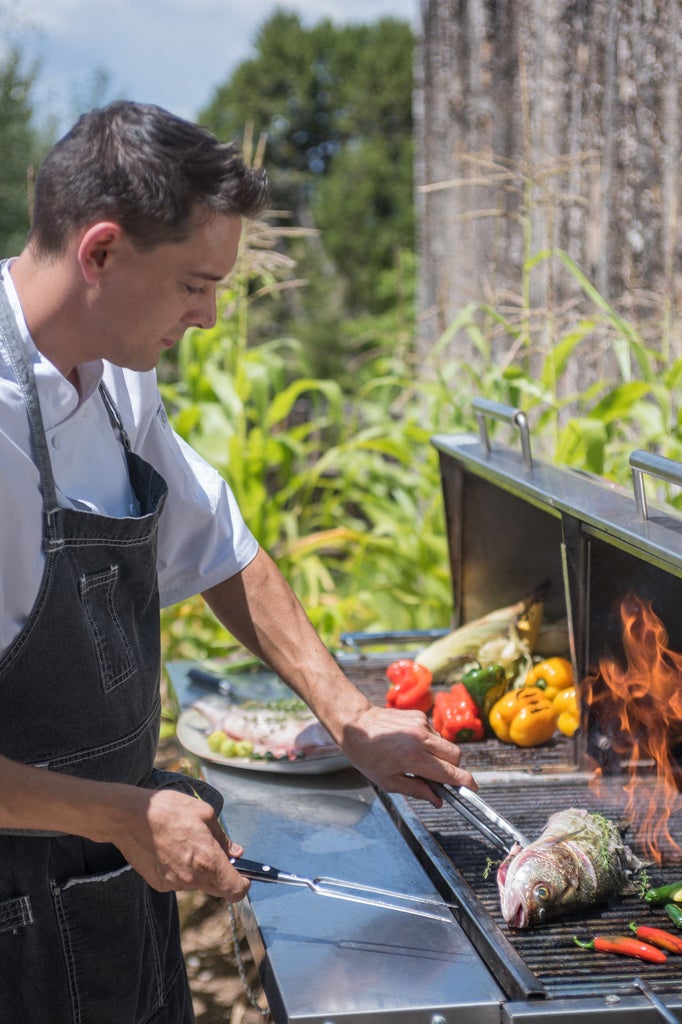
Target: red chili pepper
456 716
410 686
624 945
658 937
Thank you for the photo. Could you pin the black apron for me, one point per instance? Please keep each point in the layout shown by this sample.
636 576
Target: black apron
83 939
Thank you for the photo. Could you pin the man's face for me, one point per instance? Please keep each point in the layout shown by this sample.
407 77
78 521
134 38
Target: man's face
147 300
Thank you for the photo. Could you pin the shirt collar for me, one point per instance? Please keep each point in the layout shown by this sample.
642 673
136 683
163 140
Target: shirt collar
58 397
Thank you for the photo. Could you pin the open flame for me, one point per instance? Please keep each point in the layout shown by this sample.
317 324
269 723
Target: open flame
638 705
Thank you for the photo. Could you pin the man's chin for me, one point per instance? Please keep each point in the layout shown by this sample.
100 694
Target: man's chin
138 364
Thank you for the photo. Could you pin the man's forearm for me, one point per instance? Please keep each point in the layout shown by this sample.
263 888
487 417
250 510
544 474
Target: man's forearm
172 840
260 609
398 750
43 800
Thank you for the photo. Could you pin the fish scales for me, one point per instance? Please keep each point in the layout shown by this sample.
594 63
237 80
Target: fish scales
579 860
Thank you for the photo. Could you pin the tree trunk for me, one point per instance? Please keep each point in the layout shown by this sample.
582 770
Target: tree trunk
545 124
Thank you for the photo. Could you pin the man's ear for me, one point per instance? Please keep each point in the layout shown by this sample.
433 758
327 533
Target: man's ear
95 248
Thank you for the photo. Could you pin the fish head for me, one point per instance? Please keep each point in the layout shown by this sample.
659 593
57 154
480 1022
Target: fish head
537 884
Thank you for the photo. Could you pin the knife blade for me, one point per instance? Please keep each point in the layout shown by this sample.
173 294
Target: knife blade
261 685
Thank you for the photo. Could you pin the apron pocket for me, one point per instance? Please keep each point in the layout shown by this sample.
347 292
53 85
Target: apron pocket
114 654
113 946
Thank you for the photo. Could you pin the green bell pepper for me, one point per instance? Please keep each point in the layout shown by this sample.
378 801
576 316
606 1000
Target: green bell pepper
486 686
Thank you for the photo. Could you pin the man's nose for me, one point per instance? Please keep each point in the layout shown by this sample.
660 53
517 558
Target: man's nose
203 312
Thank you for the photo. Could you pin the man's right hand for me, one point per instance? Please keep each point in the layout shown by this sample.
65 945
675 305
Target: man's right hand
176 842
173 840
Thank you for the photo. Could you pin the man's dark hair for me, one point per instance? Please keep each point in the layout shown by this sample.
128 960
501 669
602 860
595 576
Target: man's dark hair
144 168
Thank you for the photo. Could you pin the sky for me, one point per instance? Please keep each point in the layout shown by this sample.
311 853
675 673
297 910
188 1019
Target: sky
170 52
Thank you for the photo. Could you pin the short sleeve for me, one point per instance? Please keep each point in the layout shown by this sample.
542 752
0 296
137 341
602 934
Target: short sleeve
203 538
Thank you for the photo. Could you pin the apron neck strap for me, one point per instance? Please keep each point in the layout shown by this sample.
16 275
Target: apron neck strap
23 371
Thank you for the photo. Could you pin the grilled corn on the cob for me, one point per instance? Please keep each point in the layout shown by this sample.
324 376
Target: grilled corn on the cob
443 655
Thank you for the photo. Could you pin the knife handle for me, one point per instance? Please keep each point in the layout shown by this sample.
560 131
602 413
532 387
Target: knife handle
209 681
256 871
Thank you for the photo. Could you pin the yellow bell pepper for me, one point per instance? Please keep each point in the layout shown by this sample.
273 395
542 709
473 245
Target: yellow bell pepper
568 710
551 675
524 717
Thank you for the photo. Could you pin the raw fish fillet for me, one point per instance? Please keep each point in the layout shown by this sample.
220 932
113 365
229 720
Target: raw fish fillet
274 731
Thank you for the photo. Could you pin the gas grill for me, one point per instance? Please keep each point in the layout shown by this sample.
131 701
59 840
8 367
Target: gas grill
514 526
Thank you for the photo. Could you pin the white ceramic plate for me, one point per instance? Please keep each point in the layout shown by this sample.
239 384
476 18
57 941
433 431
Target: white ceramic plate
191 731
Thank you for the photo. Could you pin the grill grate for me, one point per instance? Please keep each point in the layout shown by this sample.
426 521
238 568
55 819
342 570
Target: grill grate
549 951
527 786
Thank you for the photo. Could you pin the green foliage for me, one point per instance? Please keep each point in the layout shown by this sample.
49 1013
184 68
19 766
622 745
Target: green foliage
597 430
343 487
335 103
345 497
361 212
18 151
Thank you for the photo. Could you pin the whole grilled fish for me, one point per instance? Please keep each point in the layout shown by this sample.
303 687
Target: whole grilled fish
580 859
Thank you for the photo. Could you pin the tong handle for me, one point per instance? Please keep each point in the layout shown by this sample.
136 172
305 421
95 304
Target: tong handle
500 832
452 797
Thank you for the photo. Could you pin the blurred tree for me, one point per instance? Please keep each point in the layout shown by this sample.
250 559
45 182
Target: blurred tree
19 150
336 105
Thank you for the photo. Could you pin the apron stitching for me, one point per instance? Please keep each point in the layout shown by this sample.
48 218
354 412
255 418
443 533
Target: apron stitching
80 542
67 948
151 926
172 978
89 752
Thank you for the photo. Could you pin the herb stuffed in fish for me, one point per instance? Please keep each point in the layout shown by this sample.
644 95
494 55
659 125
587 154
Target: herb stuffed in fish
283 730
579 860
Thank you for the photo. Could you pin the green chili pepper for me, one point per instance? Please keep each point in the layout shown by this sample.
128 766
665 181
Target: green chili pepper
671 893
485 686
674 913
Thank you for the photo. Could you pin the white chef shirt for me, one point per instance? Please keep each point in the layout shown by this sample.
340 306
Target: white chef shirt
202 540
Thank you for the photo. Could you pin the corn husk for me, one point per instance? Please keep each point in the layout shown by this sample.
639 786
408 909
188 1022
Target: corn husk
511 651
444 656
552 640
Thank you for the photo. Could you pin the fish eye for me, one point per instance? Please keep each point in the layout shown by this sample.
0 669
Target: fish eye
542 892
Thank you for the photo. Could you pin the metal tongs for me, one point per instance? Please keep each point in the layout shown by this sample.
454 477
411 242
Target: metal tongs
355 892
496 829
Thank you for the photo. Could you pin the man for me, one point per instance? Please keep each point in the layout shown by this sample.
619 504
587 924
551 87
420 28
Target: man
137 217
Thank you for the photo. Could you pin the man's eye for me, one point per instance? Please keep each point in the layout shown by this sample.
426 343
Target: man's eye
191 290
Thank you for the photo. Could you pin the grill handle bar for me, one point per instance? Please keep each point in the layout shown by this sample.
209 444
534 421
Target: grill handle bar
506 414
655 465
663 1011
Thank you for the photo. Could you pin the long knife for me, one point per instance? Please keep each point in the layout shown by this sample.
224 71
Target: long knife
354 892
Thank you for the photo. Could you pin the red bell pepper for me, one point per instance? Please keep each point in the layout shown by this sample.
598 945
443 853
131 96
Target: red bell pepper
456 716
410 687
